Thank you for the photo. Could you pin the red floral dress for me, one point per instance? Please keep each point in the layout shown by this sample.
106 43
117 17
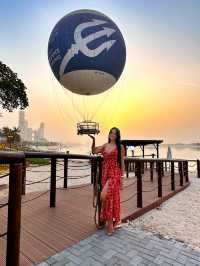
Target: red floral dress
111 172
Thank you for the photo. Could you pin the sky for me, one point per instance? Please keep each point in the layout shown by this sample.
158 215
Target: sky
158 93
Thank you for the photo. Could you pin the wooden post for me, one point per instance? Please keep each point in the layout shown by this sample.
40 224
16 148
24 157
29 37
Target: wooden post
138 166
24 177
157 150
65 171
131 166
172 176
53 183
125 148
156 166
142 167
162 169
151 170
180 166
143 151
14 215
198 168
160 165
126 167
186 172
166 166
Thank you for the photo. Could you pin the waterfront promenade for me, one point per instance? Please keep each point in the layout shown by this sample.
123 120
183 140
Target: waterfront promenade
46 231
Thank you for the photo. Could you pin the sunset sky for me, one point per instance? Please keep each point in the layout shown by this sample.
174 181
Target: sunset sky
158 94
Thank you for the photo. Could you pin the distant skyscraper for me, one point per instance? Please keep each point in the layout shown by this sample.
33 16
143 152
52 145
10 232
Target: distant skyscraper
27 133
35 138
22 124
41 131
21 118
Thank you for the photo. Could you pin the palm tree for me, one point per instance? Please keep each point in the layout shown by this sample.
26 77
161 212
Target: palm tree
12 135
16 135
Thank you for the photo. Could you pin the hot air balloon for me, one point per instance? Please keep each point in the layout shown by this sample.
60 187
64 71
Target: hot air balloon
87 54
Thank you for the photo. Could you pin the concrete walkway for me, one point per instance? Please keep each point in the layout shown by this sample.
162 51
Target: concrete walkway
126 247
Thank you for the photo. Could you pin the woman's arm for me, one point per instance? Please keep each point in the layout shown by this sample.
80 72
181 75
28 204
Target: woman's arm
97 149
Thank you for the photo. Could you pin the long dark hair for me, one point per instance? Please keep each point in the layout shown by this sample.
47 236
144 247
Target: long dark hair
118 143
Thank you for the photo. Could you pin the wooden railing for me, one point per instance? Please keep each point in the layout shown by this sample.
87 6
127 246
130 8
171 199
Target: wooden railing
17 188
53 160
138 165
130 164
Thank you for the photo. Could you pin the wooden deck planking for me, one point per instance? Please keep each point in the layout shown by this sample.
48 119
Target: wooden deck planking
46 230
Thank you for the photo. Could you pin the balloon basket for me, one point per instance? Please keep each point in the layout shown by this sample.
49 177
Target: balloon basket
87 127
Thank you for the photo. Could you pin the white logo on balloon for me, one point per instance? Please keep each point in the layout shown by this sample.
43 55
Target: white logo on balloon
81 43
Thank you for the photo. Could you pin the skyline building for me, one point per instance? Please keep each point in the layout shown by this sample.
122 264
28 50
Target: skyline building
27 133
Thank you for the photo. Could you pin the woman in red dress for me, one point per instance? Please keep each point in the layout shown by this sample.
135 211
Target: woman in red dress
112 171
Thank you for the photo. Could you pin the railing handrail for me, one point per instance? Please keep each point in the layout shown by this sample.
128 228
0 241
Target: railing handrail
59 155
8 157
131 159
14 157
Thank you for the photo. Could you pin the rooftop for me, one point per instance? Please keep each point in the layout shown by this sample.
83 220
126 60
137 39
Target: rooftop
139 142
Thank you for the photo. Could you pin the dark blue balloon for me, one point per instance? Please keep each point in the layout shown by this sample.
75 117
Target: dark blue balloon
81 43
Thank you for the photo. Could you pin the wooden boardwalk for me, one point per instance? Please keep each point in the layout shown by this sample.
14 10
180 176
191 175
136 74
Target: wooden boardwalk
46 231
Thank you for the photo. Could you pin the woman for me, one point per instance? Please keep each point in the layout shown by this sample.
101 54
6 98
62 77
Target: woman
112 171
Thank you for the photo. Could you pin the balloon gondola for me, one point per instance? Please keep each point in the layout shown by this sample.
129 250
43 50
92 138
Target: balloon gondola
87 54
88 128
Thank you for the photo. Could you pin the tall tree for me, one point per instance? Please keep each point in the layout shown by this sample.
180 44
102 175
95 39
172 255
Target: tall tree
12 134
12 90
16 134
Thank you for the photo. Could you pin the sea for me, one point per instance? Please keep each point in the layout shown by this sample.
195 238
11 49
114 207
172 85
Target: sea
178 151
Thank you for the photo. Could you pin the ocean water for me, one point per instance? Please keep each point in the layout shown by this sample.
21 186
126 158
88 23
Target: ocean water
186 152
178 152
